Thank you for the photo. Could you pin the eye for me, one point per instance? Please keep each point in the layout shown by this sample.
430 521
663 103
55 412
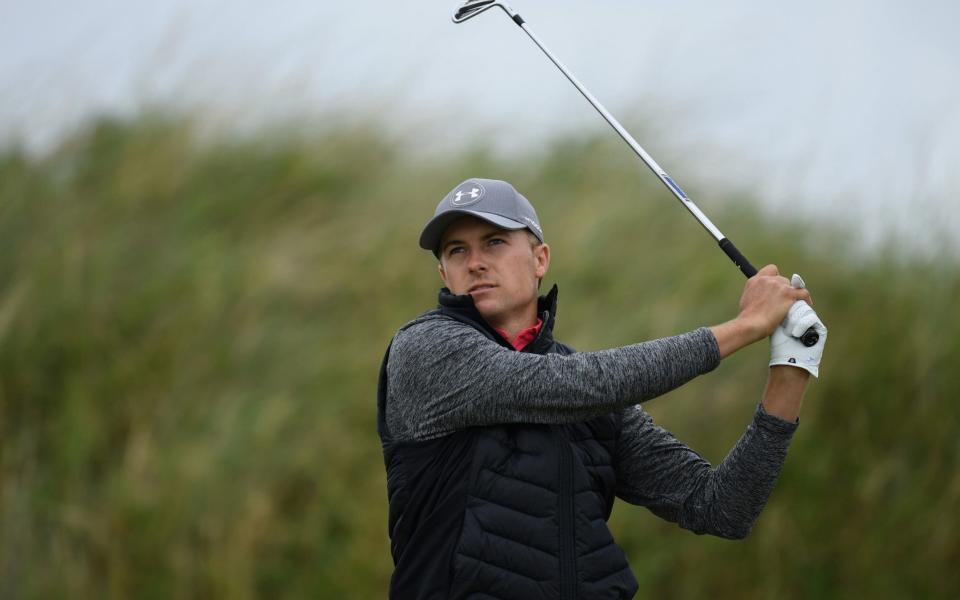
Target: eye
495 241
455 250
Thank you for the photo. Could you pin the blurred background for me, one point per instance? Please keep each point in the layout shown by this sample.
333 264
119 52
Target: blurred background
208 223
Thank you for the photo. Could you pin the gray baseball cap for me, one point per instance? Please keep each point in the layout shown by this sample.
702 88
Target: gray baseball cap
492 200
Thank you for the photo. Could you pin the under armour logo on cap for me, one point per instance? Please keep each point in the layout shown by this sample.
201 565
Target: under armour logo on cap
491 200
467 194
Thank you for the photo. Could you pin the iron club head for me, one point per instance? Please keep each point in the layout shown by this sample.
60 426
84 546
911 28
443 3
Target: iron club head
472 8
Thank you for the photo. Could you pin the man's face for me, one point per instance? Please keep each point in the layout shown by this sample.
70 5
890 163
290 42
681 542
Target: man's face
498 267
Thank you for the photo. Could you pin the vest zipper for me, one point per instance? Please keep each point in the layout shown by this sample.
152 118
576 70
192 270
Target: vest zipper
568 540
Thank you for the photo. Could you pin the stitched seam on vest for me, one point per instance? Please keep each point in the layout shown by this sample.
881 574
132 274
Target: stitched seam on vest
464 510
513 449
592 465
585 491
625 567
502 568
549 553
516 510
512 478
567 509
587 457
598 549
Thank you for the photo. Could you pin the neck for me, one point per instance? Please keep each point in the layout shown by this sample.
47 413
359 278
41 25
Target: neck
513 325
525 318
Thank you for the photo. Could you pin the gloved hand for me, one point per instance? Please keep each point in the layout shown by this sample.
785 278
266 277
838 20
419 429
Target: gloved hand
785 345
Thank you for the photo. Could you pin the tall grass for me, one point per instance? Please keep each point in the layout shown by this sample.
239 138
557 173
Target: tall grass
190 330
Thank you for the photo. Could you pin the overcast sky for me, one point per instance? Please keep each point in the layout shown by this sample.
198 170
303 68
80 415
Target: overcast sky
845 110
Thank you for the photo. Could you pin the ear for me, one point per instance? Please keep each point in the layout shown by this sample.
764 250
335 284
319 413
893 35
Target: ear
541 254
443 274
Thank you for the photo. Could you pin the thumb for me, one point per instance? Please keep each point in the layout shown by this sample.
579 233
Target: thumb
799 318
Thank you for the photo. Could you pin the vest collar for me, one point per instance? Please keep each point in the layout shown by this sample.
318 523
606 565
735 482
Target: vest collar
462 308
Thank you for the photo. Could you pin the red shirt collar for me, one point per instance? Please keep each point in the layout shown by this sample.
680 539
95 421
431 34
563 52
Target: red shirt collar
523 338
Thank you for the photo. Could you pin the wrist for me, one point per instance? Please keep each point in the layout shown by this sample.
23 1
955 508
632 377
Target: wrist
735 334
784 392
789 376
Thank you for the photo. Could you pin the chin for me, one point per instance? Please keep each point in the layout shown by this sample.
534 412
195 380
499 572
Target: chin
487 307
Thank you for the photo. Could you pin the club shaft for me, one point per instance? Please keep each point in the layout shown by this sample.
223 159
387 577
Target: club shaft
634 145
726 245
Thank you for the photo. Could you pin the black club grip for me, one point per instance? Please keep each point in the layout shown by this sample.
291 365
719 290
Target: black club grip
810 337
738 259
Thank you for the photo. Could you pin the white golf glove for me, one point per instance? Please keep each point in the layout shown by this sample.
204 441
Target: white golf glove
785 345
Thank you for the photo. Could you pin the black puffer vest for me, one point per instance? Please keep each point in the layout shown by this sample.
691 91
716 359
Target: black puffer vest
508 512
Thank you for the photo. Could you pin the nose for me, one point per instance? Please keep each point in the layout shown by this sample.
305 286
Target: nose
476 263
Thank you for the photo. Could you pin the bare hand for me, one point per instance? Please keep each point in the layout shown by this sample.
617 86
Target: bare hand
765 301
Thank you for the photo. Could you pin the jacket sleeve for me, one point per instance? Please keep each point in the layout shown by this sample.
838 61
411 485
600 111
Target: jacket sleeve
445 376
657 471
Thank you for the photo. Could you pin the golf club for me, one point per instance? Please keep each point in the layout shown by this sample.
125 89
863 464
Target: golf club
472 8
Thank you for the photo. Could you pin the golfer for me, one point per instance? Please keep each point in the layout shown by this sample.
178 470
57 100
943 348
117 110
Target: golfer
505 448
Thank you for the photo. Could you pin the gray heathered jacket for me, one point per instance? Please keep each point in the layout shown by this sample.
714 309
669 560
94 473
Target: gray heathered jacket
446 376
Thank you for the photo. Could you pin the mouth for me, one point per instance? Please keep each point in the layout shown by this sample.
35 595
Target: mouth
480 287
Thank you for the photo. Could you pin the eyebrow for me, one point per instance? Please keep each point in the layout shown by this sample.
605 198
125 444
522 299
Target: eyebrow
493 233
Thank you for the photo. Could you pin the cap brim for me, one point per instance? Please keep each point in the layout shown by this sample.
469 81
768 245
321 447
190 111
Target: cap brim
431 234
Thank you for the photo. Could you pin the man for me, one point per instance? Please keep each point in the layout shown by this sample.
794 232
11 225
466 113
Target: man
504 448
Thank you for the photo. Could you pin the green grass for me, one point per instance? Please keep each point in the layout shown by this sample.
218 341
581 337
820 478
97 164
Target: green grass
190 330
